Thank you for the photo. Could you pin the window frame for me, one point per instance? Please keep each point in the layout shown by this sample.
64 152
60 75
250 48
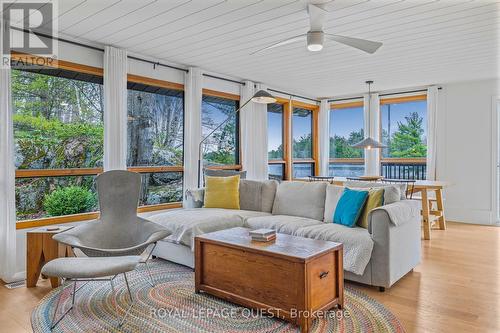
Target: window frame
341 106
395 160
289 105
166 168
233 97
284 106
42 173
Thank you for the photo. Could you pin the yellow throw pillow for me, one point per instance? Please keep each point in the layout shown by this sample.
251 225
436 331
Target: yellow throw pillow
222 192
375 199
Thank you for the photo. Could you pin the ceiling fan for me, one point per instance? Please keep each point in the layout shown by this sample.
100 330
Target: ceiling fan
315 37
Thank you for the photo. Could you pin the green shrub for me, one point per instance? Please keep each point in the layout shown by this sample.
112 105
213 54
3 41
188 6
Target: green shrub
69 200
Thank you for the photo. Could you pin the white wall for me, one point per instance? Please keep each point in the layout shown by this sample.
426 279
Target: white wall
465 150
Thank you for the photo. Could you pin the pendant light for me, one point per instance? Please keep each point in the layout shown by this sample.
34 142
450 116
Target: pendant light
368 142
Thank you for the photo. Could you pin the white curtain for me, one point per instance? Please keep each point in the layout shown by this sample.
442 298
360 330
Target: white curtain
253 135
372 126
192 126
432 131
7 173
115 109
246 126
324 137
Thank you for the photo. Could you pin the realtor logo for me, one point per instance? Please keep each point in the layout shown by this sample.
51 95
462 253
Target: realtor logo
26 27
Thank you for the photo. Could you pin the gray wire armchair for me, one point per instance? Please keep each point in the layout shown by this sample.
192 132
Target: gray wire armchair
118 231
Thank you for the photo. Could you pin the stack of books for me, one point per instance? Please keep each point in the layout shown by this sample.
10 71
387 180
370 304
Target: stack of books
263 235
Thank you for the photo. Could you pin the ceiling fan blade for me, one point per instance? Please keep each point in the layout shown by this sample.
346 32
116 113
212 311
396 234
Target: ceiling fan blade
361 44
284 42
317 17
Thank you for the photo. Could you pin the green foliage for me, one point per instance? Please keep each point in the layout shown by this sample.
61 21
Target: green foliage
69 200
302 148
340 147
276 154
407 141
50 143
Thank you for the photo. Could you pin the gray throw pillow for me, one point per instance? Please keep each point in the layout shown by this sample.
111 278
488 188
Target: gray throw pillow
225 173
302 199
333 194
257 195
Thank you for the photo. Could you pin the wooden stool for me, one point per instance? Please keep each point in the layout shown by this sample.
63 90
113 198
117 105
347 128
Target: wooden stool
41 248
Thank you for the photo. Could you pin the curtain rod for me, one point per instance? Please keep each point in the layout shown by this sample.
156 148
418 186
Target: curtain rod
97 49
224 79
293 95
381 95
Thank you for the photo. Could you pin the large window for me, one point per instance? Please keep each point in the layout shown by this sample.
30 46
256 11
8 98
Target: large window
275 130
58 133
302 143
155 141
404 132
222 148
346 129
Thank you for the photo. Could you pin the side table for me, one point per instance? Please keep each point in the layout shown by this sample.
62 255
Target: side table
41 248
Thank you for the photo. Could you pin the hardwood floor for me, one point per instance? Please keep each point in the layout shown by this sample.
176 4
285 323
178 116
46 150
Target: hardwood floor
456 288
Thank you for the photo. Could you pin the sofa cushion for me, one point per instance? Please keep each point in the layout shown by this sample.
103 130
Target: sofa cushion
281 223
358 244
392 192
257 195
302 199
333 194
185 224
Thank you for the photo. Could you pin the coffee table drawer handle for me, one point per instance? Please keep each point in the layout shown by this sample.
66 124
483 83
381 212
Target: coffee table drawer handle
323 275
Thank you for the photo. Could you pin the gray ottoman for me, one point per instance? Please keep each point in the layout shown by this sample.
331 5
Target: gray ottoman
89 269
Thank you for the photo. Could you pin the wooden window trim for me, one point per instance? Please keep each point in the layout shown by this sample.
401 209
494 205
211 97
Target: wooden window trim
221 94
86 216
276 161
37 173
404 99
347 160
61 64
348 105
314 133
223 167
303 161
152 169
154 82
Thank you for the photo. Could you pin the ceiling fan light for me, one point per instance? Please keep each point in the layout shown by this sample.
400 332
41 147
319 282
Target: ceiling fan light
315 47
315 40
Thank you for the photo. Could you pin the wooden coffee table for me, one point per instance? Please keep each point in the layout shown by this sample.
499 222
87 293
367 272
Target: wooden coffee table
293 278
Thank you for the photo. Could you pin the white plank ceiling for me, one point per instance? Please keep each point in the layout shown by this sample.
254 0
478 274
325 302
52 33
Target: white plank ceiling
425 41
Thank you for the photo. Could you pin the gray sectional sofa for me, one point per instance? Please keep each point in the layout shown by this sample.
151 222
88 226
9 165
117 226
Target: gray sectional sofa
378 256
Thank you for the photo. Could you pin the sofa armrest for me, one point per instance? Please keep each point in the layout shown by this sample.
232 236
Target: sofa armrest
399 212
194 198
396 248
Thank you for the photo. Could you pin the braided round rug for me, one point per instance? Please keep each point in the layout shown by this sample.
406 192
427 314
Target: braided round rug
173 306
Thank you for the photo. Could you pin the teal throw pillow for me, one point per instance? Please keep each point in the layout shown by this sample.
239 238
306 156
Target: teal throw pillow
349 207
